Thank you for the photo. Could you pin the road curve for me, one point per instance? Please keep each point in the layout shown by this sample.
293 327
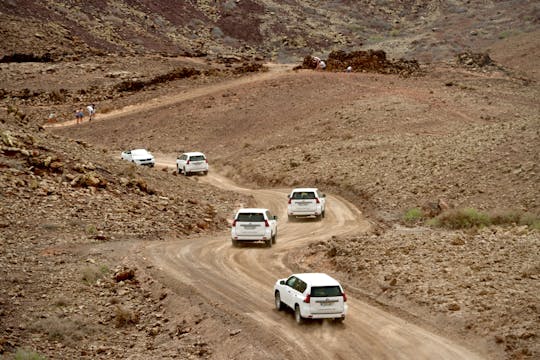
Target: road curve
243 278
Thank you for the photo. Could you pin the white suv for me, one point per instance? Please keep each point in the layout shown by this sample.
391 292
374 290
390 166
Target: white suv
192 162
139 157
311 296
306 202
254 225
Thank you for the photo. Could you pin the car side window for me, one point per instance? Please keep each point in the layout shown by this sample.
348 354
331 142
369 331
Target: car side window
291 281
300 286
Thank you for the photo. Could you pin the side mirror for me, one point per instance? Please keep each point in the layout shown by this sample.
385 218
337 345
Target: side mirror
275 217
324 195
282 282
289 196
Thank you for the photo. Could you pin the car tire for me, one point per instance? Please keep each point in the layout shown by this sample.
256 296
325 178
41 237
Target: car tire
205 173
290 218
274 238
268 242
339 320
234 243
178 169
277 302
185 172
297 315
322 214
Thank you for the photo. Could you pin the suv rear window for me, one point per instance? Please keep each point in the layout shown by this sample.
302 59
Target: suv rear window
303 195
196 158
323 291
253 217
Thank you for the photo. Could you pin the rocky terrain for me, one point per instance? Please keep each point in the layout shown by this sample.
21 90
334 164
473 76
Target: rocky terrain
406 150
277 30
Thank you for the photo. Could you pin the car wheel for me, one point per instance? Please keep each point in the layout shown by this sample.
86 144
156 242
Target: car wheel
268 242
339 320
290 218
278 303
178 169
234 243
274 238
297 316
205 173
185 172
322 215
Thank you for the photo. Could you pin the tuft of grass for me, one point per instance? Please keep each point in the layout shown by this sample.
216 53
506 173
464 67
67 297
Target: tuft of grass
26 354
413 215
65 330
91 229
531 220
124 317
92 273
462 219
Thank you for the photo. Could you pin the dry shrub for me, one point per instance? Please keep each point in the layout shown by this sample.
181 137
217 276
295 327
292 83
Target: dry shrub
27 354
65 330
92 273
124 317
462 219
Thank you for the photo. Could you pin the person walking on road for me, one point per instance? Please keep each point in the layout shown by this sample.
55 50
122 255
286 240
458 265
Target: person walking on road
91 111
79 114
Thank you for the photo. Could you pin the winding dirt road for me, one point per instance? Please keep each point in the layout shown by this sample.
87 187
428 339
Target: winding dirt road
243 278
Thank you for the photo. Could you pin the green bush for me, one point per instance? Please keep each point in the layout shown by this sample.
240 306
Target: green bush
463 219
413 215
25 354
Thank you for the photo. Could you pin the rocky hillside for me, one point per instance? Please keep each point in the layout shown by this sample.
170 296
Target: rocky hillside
278 30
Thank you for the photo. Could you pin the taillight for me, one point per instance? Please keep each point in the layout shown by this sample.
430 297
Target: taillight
308 298
317 200
290 200
234 223
187 162
344 297
206 161
266 224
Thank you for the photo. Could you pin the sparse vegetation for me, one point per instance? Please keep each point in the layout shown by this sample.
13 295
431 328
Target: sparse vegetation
462 219
26 354
91 274
413 215
471 218
124 316
62 329
91 229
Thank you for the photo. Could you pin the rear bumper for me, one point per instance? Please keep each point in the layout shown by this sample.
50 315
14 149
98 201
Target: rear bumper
325 316
304 213
251 238
197 169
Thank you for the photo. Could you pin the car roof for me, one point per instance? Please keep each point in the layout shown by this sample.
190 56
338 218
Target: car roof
304 189
139 150
252 210
317 279
192 153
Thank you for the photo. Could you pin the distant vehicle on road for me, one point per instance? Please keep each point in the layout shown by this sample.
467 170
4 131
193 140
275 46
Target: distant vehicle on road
254 225
139 157
192 162
311 296
306 202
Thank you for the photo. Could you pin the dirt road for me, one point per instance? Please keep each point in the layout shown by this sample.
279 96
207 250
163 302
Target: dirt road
242 280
